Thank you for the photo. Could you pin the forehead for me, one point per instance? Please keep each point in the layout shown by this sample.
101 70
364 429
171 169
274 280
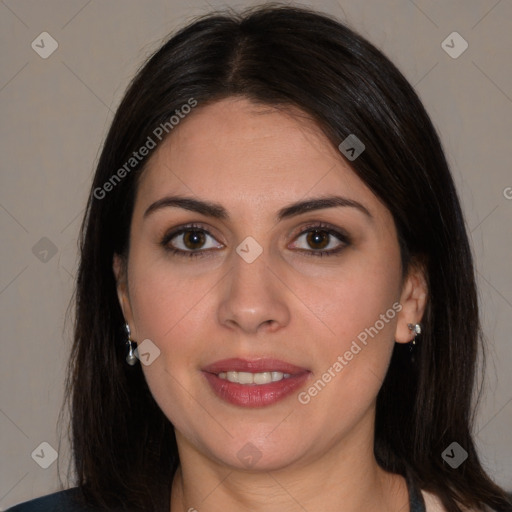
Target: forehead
241 153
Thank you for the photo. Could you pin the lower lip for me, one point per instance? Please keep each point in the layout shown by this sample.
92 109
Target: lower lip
255 395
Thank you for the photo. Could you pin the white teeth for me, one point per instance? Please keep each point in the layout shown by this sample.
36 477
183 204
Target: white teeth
253 378
245 378
262 378
279 375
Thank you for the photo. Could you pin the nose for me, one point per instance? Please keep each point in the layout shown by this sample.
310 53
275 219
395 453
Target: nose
253 299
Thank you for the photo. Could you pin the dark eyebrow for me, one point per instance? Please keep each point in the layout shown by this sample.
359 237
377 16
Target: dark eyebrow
207 208
217 211
318 204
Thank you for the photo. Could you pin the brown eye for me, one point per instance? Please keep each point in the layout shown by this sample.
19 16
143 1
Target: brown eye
318 239
189 241
320 236
193 239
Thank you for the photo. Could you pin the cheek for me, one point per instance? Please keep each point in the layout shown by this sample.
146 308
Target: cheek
174 307
353 299
361 312
168 310
370 304
166 301
352 365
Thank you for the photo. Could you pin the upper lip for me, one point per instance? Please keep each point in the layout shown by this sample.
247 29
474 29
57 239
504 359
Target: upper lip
253 366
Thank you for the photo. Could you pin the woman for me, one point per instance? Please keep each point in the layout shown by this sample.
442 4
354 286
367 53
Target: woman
275 286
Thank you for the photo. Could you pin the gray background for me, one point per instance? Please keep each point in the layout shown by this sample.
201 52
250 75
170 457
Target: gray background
56 112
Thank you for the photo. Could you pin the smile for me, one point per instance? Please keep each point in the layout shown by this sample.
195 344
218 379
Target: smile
256 382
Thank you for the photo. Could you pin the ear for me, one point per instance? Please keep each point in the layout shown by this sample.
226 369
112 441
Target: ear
413 299
119 267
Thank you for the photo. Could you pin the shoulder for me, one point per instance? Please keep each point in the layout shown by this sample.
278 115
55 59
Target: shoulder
432 502
62 501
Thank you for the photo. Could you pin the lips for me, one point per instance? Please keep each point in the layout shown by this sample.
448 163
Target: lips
253 366
254 394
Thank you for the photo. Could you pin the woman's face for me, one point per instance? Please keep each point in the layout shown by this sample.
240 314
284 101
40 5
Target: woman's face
249 285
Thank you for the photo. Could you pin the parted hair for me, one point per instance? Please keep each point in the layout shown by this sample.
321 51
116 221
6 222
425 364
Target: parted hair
123 446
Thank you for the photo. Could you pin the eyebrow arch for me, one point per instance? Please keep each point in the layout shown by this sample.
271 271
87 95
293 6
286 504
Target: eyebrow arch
217 211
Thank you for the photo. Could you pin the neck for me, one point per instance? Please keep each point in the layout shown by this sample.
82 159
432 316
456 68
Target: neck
343 479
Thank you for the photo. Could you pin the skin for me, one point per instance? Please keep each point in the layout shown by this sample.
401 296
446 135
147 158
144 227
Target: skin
303 309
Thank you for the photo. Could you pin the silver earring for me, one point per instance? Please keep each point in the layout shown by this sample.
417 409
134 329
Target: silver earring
416 328
131 358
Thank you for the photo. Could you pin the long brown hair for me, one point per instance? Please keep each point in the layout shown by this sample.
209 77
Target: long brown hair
124 448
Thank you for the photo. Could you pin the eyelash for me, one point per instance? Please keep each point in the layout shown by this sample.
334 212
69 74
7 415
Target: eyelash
326 228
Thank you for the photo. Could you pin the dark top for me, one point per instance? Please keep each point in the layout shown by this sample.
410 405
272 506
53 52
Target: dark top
69 501
62 501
